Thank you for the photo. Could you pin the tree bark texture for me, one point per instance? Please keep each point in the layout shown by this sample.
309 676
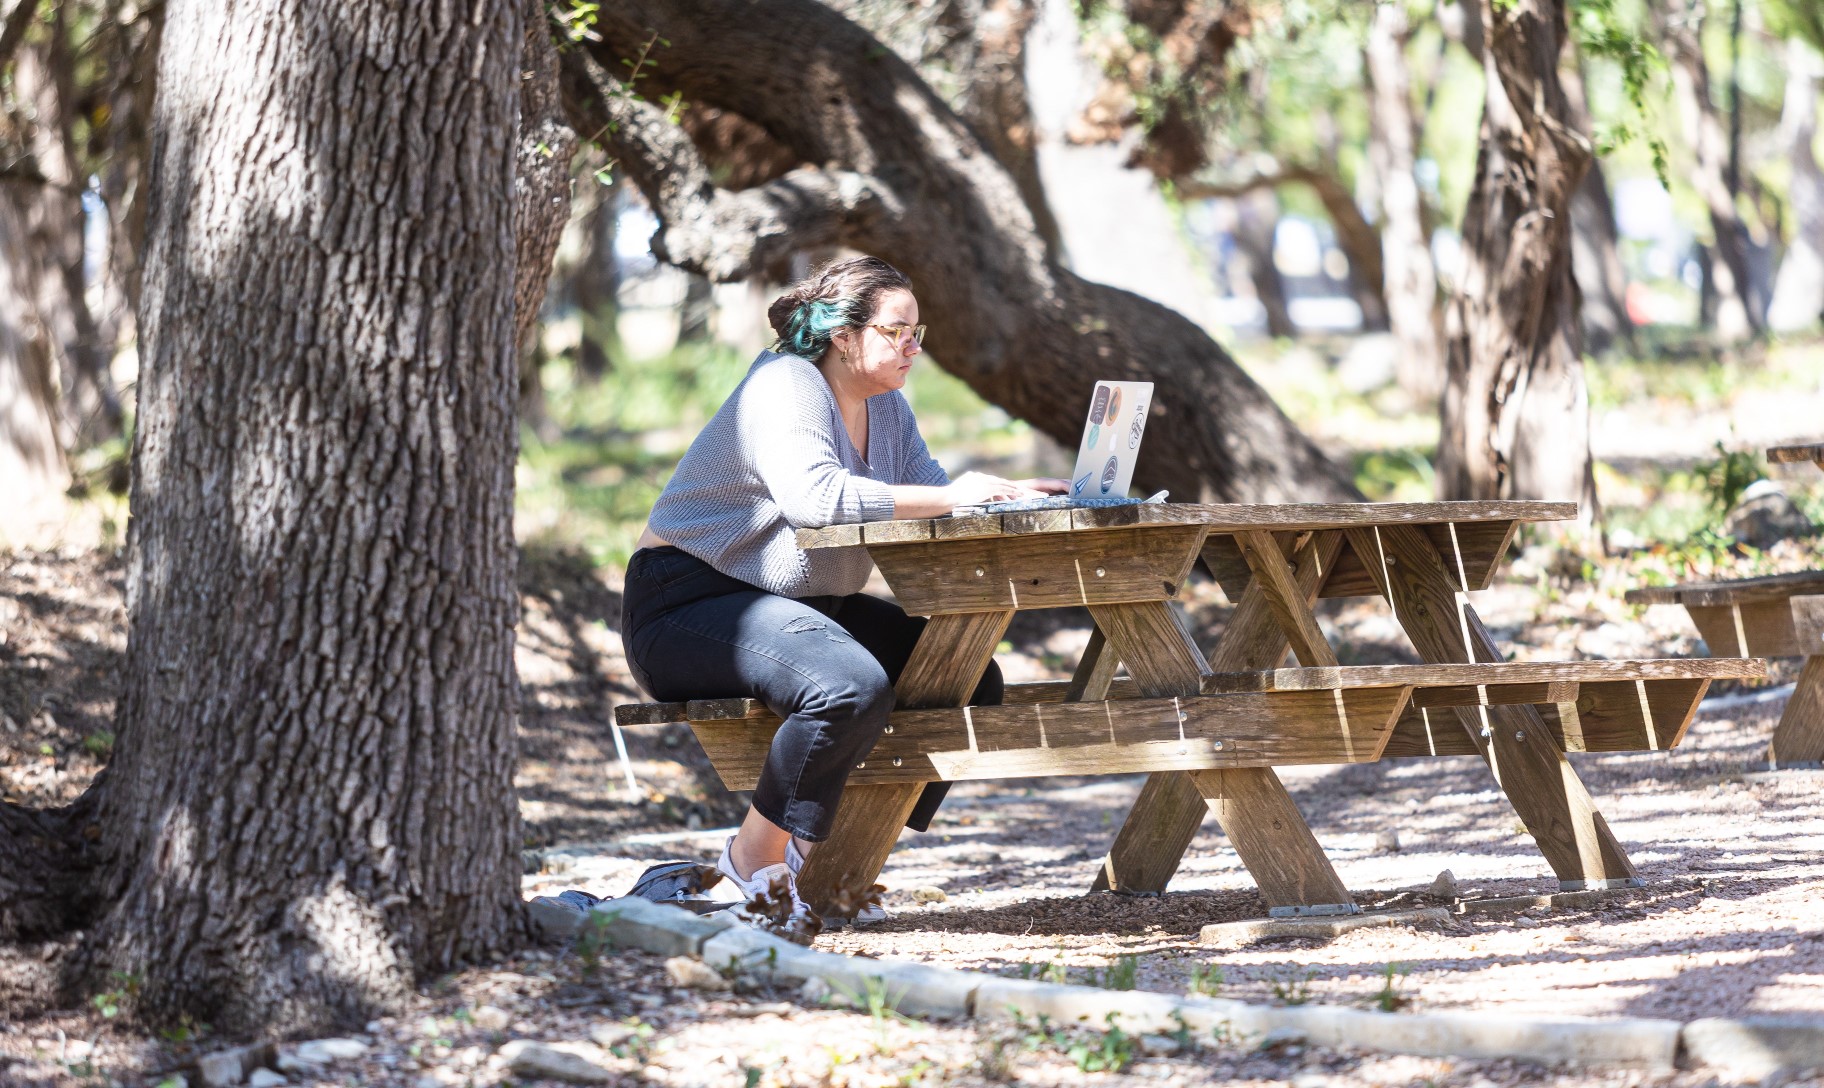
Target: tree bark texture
902 176
1798 291
311 801
1515 422
1595 239
1411 282
1741 299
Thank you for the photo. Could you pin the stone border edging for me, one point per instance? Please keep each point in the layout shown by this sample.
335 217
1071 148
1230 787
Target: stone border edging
1751 1048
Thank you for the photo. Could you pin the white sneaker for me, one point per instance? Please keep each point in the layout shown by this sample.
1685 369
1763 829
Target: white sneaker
866 916
798 922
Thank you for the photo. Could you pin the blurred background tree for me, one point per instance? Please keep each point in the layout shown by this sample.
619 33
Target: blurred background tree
1309 168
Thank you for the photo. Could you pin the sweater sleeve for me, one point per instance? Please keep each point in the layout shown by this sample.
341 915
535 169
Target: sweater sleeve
786 421
919 467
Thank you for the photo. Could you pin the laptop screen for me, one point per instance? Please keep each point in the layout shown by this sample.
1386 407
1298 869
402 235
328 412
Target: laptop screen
1111 440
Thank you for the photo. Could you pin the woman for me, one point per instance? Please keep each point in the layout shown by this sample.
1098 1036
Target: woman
720 601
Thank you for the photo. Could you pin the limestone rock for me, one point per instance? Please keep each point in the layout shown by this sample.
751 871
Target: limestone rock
330 1051
491 1018
1158 1046
576 1063
694 974
928 895
1387 841
265 1078
1445 885
231 1067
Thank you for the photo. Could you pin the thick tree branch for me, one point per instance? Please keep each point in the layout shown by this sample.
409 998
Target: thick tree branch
541 183
724 235
1021 330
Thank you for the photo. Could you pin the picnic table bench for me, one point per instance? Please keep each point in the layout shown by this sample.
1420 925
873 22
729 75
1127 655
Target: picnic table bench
1778 615
1208 729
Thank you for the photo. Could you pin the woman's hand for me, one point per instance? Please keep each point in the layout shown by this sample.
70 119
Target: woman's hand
975 488
1045 485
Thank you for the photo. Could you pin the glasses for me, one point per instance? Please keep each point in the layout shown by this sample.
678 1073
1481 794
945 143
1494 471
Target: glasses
897 333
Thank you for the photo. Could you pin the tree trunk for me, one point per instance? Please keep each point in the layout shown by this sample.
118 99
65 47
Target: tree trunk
1411 279
1256 226
33 473
699 306
1740 306
1360 242
902 177
1355 236
1595 241
1798 293
1515 409
56 221
595 287
1596 261
311 801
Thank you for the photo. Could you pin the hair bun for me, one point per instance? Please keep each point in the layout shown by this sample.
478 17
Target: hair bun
779 314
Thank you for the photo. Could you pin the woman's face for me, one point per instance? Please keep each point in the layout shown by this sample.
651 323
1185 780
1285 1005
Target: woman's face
875 359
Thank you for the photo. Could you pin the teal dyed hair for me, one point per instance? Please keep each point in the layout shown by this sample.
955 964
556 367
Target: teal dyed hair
808 331
840 295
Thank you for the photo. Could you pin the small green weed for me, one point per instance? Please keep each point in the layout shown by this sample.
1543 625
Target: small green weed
1292 988
185 1032
593 940
1105 1051
1119 975
1390 998
125 992
1728 476
1055 972
1206 979
1110 1050
99 744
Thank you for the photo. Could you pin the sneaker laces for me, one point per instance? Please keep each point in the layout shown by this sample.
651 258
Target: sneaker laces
772 902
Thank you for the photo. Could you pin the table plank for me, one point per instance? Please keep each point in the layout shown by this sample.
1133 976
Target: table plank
1193 732
1530 768
1219 517
1039 570
1797 454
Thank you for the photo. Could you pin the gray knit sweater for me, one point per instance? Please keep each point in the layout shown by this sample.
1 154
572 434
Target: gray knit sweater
776 458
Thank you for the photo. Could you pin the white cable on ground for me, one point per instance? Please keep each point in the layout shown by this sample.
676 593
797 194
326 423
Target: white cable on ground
620 749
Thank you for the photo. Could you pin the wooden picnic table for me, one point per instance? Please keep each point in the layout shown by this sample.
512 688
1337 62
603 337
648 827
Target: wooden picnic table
1208 729
1797 454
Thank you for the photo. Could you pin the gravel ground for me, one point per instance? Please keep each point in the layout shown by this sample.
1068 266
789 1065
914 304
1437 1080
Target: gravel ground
1728 924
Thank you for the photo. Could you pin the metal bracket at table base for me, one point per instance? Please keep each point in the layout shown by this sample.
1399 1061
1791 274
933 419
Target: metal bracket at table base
1616 884
1315 910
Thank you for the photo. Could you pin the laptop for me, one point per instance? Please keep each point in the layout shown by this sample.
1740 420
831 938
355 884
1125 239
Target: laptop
1106 454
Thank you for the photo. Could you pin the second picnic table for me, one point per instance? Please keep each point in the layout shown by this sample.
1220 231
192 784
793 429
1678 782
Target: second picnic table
1208 729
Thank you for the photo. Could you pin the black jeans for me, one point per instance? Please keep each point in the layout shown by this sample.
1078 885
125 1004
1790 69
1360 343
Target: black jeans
825 665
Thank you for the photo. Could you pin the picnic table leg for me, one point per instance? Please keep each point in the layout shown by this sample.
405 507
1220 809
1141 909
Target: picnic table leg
1527 763
1259 817
1799 738
945 666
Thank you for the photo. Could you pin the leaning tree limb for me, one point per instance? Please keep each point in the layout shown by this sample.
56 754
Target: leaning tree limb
895 172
